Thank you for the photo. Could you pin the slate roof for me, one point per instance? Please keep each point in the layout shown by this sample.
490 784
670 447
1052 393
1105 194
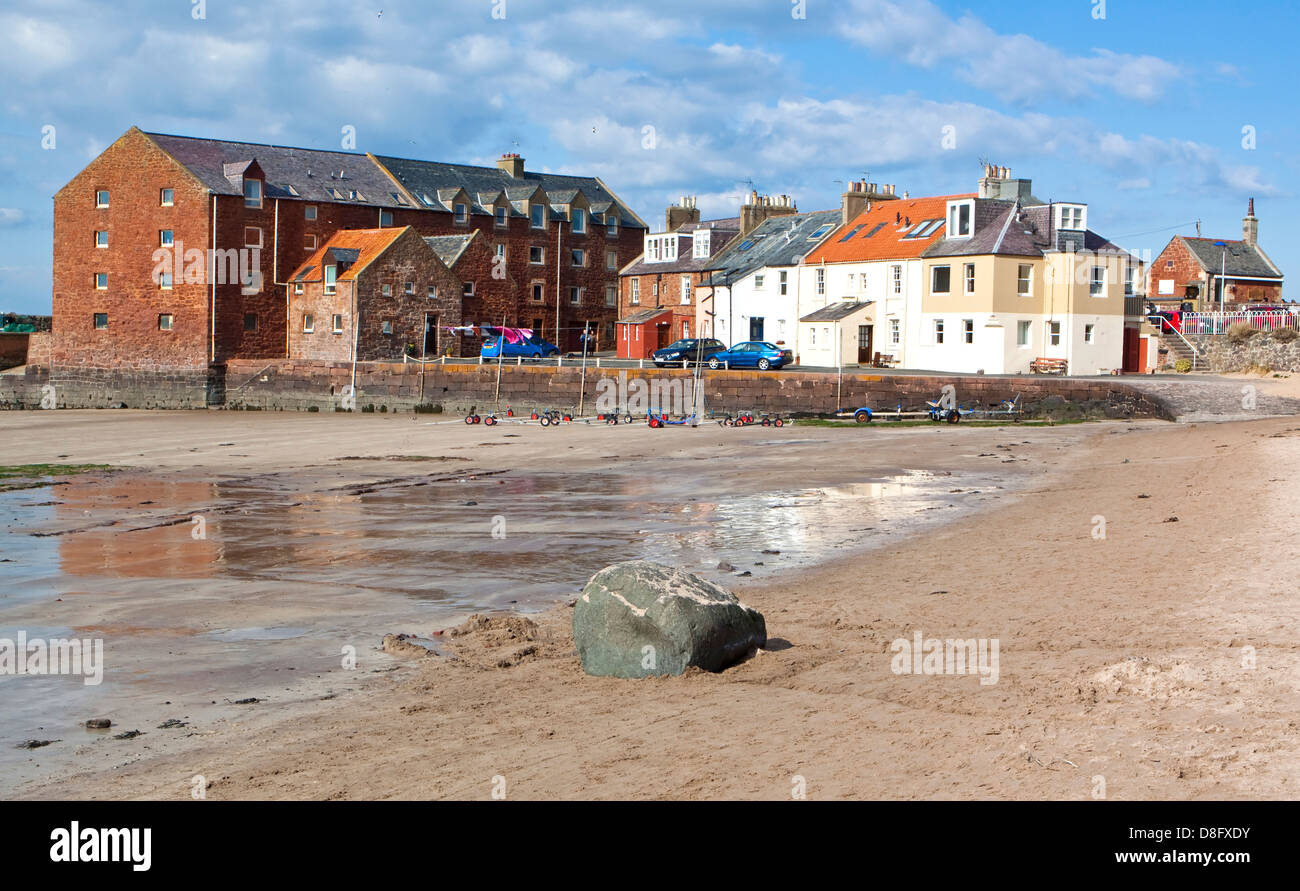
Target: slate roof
777 241
359 247
833 312
290 172
880 233
1002 227
686 261
449 247
1242 259
430 177
646 315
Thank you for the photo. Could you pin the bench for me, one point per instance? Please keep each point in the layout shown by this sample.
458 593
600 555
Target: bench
1043 365
883 360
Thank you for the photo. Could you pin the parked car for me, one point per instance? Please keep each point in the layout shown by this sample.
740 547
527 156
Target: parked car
752 354
692 349
533 348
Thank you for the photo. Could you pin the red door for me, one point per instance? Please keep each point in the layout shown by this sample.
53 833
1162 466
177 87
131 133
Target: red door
1132 350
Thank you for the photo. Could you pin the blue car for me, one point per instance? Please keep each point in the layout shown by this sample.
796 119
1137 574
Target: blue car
752 354
533 348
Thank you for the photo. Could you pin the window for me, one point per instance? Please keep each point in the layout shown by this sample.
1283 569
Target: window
812 335
502 220
250 321
101 320
1097 283
165 281
654 289
1128 279
309 212
895 335
101 198
101 281
611 223
938 331
970 278
940 279
579 257
252 236
101 239
821 281
1071 217
538 292
575 295
331 278
462 212
385 218
821 232
467 289
386 290
433 292
309 242
579 220
960 218
338 323
758 282
783 281
252 193
898 279
1024 279
409 288
165 322
536 255
308 323
635 293
968 330
297 288
862 281
386 327
686 328
537 214
1088 332
611 260
686 289
611 295
1022 333
1054 333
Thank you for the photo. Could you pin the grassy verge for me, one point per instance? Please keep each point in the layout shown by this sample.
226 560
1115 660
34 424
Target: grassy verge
925 422
32 476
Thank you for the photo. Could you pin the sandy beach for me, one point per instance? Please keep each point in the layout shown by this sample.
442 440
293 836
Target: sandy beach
1155 662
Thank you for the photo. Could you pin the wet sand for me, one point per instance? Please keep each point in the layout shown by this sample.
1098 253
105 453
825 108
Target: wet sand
1121 658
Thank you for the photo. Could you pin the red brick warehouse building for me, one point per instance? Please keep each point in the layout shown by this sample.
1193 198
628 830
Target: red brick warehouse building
208 205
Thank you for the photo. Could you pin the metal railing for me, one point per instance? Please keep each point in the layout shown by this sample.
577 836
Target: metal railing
1219 322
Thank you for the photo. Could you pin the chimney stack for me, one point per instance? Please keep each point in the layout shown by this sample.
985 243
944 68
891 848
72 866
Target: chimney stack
860 196
761 207
681 213
1250 225
512 164
997 183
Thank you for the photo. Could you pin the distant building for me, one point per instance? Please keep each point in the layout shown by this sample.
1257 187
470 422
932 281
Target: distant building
1204 273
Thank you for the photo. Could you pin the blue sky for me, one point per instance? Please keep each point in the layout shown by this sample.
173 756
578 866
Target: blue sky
1139 113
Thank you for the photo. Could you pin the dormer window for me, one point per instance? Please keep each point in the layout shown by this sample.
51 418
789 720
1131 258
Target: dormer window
462 213
537 214
961 219
253 193
579 220
331 278
1071 216
700 245
611 222
502 219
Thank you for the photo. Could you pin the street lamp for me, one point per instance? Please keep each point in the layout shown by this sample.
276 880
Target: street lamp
1223 266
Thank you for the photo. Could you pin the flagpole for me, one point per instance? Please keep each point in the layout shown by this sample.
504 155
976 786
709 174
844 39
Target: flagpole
582 389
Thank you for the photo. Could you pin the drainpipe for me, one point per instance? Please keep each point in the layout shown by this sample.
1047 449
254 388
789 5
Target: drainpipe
356 333
559 249
212 270
275 273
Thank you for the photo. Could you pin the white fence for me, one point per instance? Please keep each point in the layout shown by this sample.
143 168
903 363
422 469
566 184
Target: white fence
1220 322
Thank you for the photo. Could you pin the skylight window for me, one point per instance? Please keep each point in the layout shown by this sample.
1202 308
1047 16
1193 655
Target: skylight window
821 231
428 202
852 232
876 229
746 244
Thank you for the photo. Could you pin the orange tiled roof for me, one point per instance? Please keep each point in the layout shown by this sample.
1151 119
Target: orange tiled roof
370 243
888 220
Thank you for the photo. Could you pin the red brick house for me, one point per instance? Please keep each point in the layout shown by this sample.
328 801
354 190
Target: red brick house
171 253
1198 271
380 292
656 290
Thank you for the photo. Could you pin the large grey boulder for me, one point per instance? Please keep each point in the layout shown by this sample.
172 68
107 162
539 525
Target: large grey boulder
639 619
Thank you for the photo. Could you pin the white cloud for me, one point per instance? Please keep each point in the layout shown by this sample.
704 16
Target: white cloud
11 216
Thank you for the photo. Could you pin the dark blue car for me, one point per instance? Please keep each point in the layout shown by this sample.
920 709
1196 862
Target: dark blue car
752 354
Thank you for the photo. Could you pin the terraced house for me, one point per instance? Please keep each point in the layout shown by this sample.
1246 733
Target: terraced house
172 253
